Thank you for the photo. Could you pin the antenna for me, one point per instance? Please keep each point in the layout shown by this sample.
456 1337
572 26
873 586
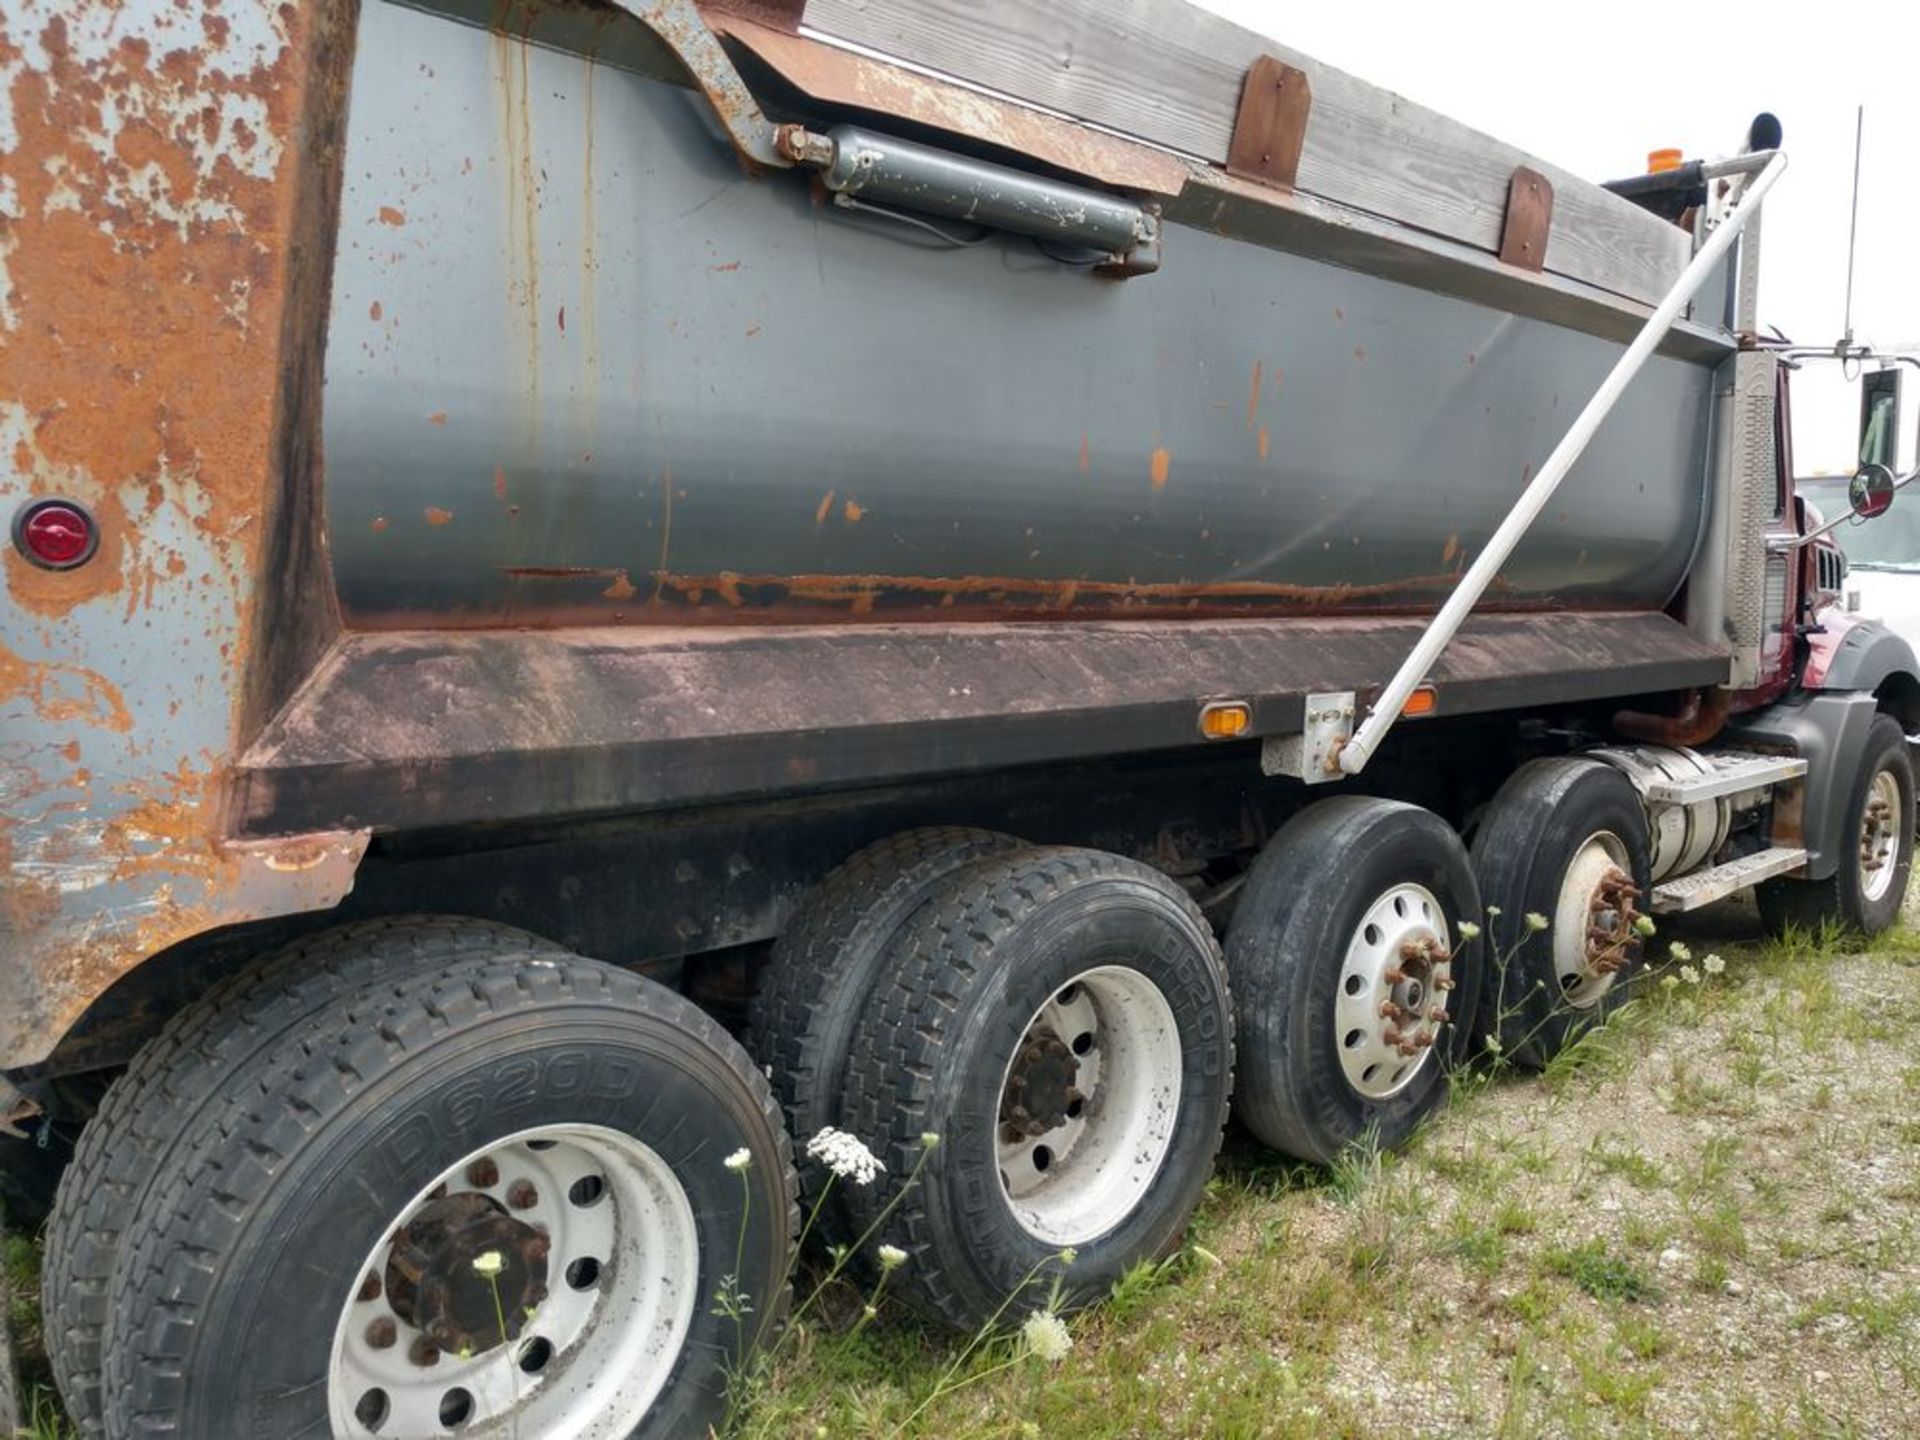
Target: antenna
1853 223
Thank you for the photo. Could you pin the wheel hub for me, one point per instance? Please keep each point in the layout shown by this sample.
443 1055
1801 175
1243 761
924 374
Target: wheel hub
436 1280
1390 1004
1040 1092
1592 936
1088 1105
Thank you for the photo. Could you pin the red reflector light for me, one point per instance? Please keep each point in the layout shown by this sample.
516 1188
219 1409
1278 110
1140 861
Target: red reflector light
55 534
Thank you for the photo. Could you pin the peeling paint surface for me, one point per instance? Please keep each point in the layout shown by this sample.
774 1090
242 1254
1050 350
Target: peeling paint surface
145 229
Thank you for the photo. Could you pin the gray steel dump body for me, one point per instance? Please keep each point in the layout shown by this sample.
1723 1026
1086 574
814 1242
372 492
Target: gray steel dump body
475 440
582 371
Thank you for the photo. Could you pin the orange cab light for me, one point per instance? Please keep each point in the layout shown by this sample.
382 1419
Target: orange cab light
1226 719
1659 160
1420 702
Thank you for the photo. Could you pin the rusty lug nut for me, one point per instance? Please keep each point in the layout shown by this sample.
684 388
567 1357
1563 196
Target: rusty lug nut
483 1174
1444 982
370 1289
1412 949
423 1352
382 1333
522 1196
1438 1016
1395 976
538 1247
1392 1035
1423 1039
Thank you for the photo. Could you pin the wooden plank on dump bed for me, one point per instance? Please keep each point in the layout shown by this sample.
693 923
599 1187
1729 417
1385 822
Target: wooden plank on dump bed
1172 74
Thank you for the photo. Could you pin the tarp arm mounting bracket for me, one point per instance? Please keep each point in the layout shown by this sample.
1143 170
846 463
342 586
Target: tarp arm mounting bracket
684 31
1413 670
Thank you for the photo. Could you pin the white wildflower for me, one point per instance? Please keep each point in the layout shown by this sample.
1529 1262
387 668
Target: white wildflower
1669 982
1536 922
1069 1255
489 1264
1493 1044
1690 975
1643 926
929 1139
1712 964
1046 1336
1679 951
1493 912
892 1257
845 1155
739 1160
1468 930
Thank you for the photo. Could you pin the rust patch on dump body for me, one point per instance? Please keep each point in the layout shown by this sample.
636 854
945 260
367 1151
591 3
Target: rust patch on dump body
1159 465
166 230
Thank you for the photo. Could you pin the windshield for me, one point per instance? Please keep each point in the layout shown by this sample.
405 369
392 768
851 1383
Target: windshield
1891 541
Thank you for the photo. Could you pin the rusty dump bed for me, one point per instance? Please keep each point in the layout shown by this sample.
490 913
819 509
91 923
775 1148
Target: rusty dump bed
474 437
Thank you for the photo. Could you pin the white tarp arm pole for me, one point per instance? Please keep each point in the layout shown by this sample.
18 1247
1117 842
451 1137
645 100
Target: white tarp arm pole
1413 670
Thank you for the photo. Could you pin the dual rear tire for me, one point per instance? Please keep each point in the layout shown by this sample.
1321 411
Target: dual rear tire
455 1194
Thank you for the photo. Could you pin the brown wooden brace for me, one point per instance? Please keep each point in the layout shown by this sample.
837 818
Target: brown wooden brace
1529 222
1270 129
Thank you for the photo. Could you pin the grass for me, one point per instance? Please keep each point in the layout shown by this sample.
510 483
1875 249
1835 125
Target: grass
1701 1222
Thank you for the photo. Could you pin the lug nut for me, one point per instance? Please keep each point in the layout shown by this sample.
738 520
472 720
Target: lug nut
370 1289
522 1196
382 1333
423 1351
483 1174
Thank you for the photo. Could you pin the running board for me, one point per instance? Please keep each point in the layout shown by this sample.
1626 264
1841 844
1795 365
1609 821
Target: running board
1703 887
1733 771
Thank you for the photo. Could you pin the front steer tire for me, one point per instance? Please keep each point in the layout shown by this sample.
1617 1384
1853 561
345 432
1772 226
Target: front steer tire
1850 898
255 1235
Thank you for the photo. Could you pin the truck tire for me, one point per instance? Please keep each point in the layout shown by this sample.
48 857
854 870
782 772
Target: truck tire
1876 854
147 1113
824 967
1059 1018
1352 893
1563 838
531 1144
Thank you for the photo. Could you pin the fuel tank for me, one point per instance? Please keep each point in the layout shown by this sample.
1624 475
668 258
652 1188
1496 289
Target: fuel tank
583 369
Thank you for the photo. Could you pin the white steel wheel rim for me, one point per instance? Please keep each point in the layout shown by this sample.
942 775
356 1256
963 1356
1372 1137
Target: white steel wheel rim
622 1269
1579 911
1391 994
1102 1116
1880 836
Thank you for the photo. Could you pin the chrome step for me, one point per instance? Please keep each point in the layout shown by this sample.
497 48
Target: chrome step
1703 887
1733 771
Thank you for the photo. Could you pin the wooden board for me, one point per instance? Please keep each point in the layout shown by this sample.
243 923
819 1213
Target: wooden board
1171 74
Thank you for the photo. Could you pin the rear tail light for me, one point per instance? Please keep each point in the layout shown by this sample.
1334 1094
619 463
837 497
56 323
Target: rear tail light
55 534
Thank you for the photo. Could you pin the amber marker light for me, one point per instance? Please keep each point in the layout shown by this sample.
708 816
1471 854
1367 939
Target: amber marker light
1659 161
1226 719
1420 702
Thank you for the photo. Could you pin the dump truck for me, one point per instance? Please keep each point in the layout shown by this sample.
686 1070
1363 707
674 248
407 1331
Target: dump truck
630 619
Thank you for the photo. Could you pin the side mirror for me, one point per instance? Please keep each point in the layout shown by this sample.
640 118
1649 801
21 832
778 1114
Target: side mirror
1870 492
1880 419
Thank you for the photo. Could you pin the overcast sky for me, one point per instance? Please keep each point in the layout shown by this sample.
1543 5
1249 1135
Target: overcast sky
1593 88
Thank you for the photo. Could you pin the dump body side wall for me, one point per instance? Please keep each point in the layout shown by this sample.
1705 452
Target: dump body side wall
580 373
